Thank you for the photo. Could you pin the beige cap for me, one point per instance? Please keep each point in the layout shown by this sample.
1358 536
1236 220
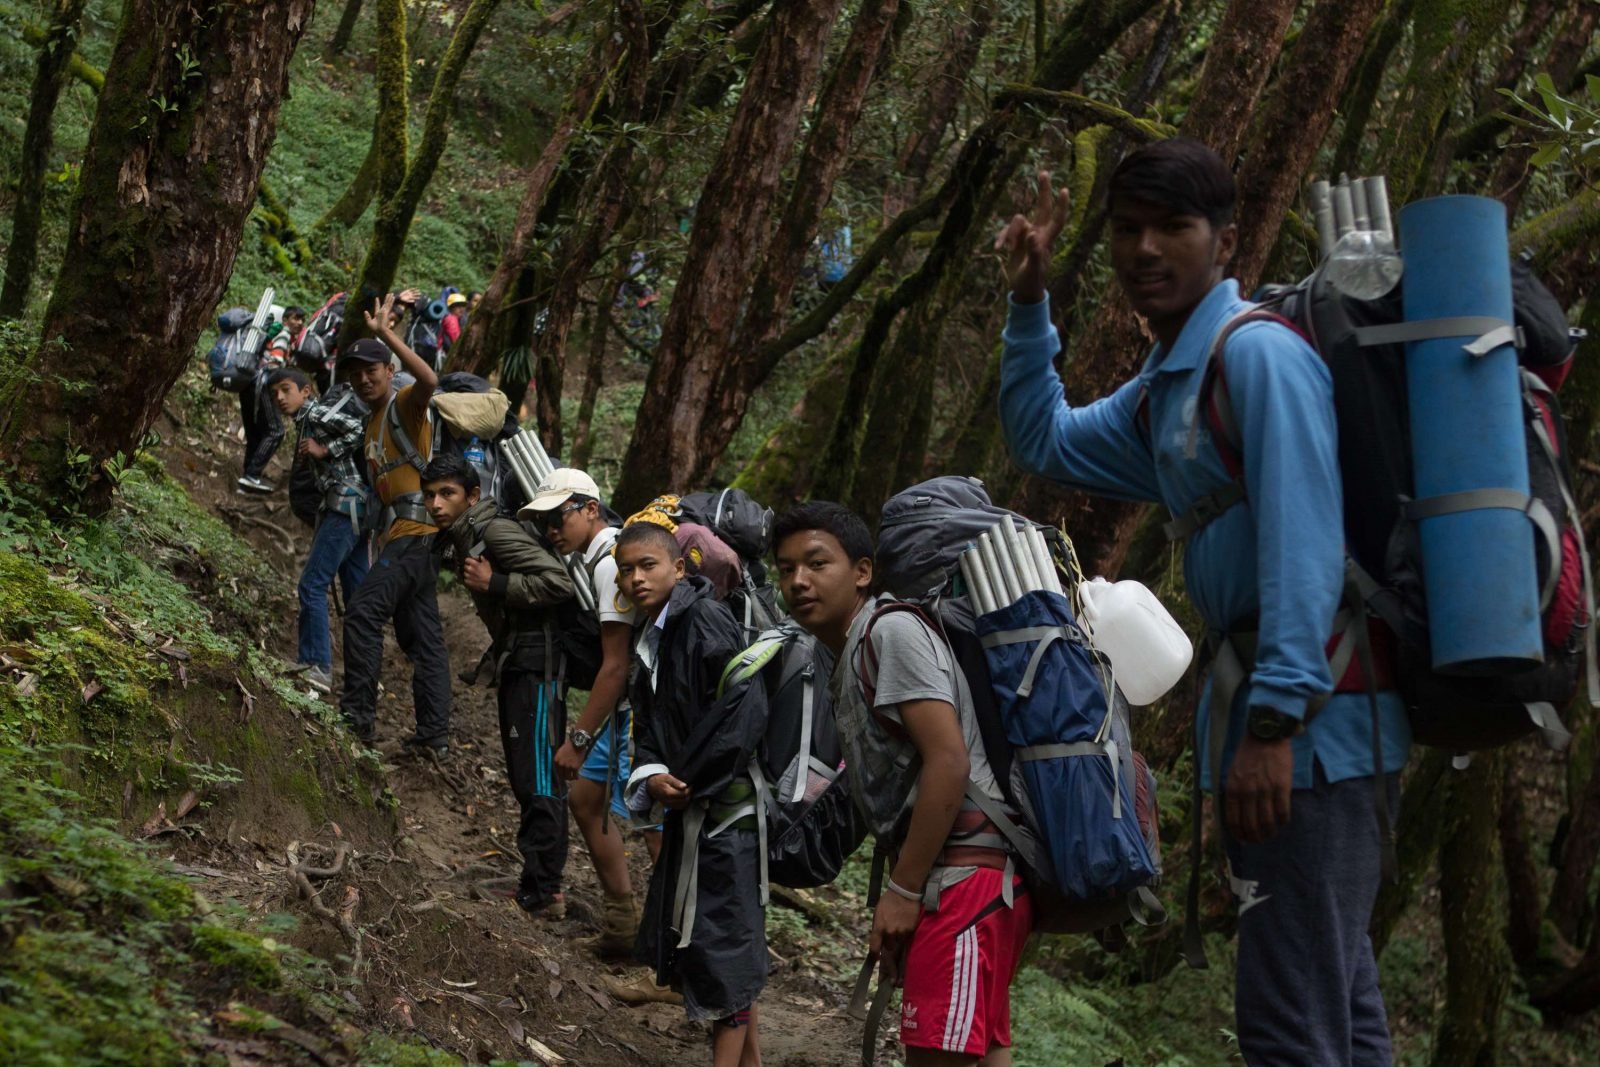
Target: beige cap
563 484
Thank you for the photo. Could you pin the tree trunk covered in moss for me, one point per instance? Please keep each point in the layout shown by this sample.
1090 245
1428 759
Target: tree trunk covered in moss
163 194
1447 38
1524 911
1294 121
1477 971
984 164
1571 906
398 203
50 75
352 203
1357 107
601 206
1417 830
784 470
344 31
595 367
729 237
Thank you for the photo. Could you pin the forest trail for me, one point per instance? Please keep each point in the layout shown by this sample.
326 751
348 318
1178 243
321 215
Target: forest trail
447 958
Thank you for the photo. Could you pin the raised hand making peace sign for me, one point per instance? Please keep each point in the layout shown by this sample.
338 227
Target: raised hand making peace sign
1027 243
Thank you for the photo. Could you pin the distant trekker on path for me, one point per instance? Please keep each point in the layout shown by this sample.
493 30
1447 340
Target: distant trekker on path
402 583
1300 799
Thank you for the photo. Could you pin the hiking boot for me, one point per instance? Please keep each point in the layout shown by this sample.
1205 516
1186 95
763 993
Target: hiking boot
551 908
319 678
253 483
618 928
640 989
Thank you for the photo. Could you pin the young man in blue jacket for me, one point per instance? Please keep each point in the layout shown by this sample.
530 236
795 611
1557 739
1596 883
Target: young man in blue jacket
1298 790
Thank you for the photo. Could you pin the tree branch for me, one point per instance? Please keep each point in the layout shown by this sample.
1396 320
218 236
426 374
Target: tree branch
1095 111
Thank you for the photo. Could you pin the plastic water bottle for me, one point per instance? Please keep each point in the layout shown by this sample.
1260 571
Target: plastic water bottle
1147 648
474 455
1364 264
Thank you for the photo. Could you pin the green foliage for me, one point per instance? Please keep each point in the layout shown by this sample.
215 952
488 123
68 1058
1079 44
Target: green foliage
1561 128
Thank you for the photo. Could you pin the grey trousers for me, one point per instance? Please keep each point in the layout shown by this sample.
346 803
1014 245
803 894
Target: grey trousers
1307 984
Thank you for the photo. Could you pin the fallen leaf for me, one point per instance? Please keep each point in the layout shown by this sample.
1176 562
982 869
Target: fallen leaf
153 823
555 989
92 690
551 965
347 907
248 704
460 985
27 685
187 804
545 1054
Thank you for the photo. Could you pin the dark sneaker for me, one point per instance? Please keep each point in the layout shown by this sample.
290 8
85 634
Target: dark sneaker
434 750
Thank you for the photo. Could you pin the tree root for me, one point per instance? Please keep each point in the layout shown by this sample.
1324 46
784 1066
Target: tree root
301 872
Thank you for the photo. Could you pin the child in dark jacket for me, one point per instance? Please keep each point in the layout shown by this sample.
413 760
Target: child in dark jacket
703 927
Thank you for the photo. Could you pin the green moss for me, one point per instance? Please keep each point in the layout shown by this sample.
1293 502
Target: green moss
251 959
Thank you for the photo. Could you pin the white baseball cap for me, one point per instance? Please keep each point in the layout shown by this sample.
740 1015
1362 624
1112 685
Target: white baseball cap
563 484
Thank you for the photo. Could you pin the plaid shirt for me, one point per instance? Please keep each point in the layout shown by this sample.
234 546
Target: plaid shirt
341 431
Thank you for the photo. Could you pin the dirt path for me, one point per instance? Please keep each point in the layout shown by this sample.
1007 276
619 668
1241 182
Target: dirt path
445 957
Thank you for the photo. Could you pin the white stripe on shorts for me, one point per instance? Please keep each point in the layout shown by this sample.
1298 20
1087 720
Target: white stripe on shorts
963 992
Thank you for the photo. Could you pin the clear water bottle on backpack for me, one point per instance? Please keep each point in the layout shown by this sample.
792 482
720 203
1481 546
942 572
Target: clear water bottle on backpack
474 455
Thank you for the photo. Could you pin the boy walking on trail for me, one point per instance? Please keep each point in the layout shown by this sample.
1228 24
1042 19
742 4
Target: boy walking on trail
516 584
704 925
948 928
330 435
263 429
1298 794
567 508
401 584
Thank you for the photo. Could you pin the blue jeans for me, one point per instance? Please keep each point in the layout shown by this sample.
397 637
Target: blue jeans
336 550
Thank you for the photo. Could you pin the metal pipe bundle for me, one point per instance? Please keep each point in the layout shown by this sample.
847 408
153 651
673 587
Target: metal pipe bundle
1006 563
1350 206
255 333
531 465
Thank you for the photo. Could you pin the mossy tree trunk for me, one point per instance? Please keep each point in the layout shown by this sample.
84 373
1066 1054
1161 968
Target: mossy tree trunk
595 366
1448 36
175 154
729 237
1357 108
352 203
344 31
403 176
1477 970
987 159
50 75
1294 121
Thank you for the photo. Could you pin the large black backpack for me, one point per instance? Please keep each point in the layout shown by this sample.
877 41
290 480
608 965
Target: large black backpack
318 344
813 826
1462 714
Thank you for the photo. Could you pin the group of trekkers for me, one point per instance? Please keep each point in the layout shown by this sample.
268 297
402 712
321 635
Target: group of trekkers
668 628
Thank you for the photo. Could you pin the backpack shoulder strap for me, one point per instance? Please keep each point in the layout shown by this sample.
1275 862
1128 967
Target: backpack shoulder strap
402 440
752 660
865 648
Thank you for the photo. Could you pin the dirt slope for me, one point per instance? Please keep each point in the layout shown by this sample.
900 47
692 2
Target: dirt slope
444 957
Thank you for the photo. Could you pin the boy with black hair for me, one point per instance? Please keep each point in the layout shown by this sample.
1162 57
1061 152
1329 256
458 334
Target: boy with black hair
330 434
516 584
402 583
704 919
948 928
566 506
1300 795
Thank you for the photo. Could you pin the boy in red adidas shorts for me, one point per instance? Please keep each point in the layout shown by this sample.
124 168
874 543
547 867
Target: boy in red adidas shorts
952 920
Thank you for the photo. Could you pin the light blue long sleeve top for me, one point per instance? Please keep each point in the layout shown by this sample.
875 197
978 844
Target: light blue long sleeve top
1273 564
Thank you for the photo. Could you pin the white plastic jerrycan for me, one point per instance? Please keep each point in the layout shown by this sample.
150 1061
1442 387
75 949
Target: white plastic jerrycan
1147 648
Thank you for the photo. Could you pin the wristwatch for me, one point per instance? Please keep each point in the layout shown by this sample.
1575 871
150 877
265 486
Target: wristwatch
581 740
1270 724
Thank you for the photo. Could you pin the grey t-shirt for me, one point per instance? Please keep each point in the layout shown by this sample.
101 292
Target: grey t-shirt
912 663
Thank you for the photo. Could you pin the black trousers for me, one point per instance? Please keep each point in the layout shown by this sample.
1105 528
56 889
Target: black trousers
263 426
401 586
532 722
